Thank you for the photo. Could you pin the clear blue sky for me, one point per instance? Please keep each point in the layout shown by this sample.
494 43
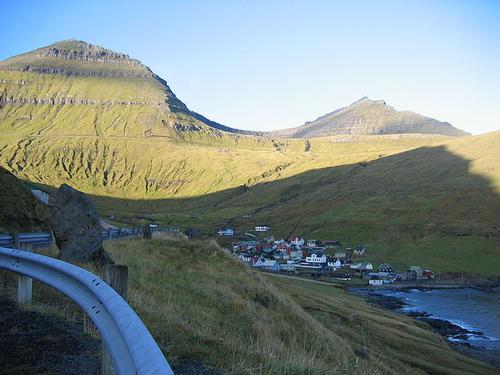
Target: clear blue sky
273 64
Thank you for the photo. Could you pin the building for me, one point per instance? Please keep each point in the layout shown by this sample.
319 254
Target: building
428 274
316 259
417 271
375 282
290 267
359 251
313 243
269 265
296 254
299 242
333 263
385 267
366 267
262 228
227 232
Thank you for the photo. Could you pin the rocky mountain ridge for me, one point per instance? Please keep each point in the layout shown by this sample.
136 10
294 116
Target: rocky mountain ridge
76 72
369 117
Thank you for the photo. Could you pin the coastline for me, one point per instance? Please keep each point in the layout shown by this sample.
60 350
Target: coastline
455 335
480 284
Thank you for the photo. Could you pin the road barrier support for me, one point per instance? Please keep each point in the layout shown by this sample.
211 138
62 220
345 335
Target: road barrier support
117 278
24 283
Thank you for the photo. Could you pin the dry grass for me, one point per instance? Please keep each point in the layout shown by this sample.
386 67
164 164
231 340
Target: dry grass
201 304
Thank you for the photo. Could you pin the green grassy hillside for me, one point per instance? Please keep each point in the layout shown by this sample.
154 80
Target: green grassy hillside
105 124
202 305
430 201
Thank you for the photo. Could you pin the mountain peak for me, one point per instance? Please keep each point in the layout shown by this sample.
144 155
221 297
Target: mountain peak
370 117
113 78
79 50
366 99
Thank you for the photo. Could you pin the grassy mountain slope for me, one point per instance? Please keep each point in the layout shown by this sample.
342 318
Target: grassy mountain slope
20 210
367 116
104 123
201 304
430 201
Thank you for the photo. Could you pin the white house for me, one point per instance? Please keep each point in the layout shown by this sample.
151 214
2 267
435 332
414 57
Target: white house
299 242
359 251
262 228
366 267
226 232
375 282
316 259
335 263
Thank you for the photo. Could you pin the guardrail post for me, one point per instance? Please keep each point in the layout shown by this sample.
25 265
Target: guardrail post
146 235
117 277
24 284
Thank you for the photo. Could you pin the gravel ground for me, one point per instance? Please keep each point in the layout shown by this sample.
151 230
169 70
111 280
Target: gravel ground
35 343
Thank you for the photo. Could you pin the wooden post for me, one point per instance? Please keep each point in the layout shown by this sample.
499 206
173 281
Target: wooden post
24 283
146 235
117 277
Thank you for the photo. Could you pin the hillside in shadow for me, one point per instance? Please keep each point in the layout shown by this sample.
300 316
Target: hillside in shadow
19 209
417 205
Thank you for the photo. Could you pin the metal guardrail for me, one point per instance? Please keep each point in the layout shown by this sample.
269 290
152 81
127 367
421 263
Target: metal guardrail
45 238
38 238
116 233
132 348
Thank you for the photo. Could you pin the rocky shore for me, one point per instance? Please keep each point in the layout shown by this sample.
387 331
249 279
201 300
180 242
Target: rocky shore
456 336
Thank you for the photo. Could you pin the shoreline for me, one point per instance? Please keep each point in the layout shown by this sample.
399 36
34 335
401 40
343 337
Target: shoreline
479 284
454 334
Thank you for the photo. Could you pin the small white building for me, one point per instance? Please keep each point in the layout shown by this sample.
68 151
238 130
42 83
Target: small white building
262 228
359 252
375 282
298 242
316 259
335 264
226 232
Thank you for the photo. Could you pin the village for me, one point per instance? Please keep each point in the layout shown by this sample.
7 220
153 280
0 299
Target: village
314 258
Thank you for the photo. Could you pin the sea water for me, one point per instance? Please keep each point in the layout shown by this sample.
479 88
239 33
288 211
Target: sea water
472 309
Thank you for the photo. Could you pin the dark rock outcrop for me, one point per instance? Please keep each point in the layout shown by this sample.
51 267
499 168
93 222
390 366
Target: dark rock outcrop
77 228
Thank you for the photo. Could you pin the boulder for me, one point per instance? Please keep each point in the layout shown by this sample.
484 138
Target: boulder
77 228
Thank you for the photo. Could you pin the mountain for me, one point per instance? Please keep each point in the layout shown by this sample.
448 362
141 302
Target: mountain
369 117
92 91
104 124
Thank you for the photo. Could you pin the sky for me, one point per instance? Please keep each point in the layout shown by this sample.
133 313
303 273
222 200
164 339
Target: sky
265 65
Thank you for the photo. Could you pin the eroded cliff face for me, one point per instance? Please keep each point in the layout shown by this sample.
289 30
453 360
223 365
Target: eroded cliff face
74 87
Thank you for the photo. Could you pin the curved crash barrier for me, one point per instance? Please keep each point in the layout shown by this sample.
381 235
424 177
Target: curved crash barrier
132 348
